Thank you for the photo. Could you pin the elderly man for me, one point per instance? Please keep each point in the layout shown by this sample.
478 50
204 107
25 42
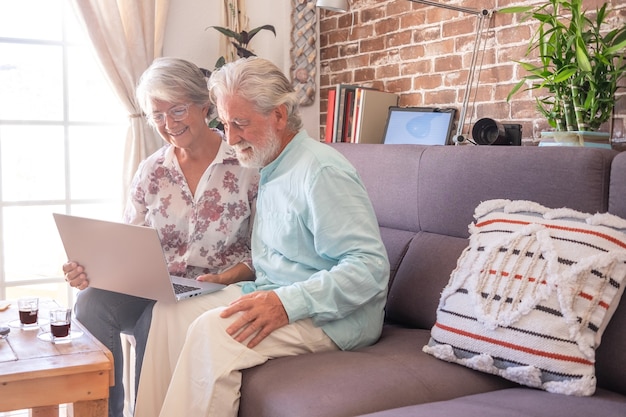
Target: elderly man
321 268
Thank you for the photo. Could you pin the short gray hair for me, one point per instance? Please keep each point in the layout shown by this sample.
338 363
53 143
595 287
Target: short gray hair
260 82
173 80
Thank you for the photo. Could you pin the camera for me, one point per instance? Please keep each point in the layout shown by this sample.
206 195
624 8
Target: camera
490 132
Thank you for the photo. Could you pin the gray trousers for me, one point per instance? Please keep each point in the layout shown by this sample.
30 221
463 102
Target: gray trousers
106 315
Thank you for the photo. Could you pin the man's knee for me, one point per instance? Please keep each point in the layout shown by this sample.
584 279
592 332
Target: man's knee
210 319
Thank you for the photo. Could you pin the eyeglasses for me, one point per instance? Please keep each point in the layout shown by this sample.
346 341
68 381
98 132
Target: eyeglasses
177 113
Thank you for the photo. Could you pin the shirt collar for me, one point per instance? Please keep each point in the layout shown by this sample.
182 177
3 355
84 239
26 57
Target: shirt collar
293 144
226 155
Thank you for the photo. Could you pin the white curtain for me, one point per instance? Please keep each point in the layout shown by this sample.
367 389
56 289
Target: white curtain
127 35
235 18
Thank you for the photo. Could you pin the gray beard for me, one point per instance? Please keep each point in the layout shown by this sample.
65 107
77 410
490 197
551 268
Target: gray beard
260 156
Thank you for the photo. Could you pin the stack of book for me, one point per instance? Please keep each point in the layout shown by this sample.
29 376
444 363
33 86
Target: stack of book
357 114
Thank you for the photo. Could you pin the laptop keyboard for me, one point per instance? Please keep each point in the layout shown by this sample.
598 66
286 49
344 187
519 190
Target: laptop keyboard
180 288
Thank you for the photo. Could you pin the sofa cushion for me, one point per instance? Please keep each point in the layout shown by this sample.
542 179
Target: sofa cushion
610 363
391 373
532 294
517 402
396 244
424 271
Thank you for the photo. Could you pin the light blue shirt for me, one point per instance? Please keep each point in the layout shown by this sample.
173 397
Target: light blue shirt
316 243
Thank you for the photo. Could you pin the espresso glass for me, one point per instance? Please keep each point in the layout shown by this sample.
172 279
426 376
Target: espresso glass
60 325
28 310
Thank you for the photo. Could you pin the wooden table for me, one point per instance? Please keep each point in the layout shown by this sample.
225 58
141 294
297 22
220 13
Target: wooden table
39 375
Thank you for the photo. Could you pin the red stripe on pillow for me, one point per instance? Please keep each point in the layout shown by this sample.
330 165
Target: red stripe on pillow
514 346
530 279
553 226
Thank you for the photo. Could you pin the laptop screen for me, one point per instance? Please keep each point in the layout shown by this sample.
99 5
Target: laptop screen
419 125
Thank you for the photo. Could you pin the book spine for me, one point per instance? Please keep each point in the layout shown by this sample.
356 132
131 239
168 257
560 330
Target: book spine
337 113
346 131
330 117
356 116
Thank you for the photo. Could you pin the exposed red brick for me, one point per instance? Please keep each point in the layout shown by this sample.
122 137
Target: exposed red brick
358 61
373 44
411 20
398 39
412 52
432 81
348 49
439 98
412 100
423 66
514 35
398 85
370 14
364 74
398 8
459 27
447 63
385 26
387 71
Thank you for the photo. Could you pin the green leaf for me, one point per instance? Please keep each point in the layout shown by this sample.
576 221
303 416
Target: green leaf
515 89
220 62
227 32
260 28
515 9
615 48
581 56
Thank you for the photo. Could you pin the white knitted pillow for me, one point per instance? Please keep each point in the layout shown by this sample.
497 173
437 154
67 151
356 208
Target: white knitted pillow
532 294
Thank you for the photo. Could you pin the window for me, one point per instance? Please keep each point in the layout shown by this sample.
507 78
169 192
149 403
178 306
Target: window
62 133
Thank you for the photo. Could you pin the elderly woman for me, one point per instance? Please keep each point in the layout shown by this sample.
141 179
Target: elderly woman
193 192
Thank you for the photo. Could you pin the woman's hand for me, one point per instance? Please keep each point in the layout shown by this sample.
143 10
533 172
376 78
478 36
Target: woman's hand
216 278
75 275
237 273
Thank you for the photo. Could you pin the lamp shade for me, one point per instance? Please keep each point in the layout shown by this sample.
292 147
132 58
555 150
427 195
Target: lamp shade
334 5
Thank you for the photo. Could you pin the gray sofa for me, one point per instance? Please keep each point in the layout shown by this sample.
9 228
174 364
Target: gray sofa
424 199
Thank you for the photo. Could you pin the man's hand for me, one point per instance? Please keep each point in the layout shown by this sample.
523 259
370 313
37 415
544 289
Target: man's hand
75 275
262 313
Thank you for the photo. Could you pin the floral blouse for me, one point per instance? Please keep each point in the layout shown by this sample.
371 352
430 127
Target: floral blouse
208 232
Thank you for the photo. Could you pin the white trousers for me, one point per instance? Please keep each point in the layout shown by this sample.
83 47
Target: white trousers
200 374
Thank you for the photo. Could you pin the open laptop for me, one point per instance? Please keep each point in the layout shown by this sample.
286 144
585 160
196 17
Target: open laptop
125 258
419 125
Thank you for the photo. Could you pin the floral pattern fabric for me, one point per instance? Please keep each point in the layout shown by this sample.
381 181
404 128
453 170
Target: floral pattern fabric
201 233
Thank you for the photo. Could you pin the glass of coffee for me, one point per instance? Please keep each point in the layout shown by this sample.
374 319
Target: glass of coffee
28 310
60 324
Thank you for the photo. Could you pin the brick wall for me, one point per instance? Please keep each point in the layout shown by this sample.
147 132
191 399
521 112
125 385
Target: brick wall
424 53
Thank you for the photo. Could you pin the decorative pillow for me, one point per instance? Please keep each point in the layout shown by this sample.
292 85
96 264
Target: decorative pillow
532 294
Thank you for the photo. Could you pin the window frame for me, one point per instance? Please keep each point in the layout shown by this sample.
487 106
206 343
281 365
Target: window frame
37 285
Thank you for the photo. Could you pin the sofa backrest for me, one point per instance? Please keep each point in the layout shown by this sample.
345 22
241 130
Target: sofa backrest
453 180
434 189
424 197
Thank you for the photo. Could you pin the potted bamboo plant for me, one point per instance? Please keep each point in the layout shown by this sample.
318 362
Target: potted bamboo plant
580 65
